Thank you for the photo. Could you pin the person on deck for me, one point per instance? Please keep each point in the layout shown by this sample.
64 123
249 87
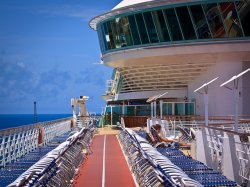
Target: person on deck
175 142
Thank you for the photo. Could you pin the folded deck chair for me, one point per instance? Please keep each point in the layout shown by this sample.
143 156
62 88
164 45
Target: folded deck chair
187 134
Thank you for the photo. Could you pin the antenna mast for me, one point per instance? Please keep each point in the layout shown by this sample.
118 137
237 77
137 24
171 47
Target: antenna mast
35 113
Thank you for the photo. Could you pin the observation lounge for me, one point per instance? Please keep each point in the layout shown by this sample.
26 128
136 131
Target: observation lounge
173 46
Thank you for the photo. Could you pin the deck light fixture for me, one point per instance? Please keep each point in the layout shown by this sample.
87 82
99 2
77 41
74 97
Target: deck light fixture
205 95
236 95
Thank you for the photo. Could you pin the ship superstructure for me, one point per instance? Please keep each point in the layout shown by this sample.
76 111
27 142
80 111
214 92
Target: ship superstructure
174 46
166 55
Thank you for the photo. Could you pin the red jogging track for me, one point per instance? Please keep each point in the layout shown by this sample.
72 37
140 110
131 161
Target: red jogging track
115 172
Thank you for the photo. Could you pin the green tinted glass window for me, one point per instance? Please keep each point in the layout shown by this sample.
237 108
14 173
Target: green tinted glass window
167 109
101 37
173 24
231 21
124 25
244 15
200 22
178 110
153 37
109 35
161 26
214 19
116 34
189 108
142 28
106 35
134 30
186 23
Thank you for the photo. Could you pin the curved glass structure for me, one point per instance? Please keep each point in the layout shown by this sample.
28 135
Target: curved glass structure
176 24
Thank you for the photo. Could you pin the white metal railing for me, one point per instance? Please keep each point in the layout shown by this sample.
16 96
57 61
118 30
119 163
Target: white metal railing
52 130
17 142
226 150
58 167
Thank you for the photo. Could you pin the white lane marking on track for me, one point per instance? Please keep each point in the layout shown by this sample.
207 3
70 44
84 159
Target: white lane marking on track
103 162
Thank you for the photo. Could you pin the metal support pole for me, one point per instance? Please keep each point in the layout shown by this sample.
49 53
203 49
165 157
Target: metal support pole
155 109
206 108
161 102
152 109
236 104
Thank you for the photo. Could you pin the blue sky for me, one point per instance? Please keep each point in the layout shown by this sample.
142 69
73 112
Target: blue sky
48 54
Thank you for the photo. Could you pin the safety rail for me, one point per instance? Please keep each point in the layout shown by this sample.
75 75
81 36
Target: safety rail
59 166
16 142
56 129
226 150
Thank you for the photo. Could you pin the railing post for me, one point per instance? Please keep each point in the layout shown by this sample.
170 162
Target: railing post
230 164
202 148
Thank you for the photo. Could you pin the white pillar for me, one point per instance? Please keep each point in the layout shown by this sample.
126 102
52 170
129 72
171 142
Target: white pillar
173 108
152 109
161 102
206 108
155 109
236 108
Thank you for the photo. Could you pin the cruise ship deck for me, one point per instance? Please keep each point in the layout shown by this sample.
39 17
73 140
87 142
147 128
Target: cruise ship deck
119 156
106 165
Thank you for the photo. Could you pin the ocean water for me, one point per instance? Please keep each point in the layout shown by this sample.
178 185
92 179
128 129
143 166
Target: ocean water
15 120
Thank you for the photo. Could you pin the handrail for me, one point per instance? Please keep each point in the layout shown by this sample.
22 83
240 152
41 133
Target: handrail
18 141
21 128
227 131
64 159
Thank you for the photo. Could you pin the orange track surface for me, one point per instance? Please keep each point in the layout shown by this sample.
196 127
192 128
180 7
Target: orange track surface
116 170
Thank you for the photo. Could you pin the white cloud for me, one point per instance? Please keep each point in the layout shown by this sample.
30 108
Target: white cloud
21 64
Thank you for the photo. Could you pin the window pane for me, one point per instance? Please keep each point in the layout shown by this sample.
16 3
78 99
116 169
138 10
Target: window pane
101 38
134 30
178 110
150 27
173 24
200 22
167 109
189 108
213 16
108 35
161 26
142 28
111 36
231 20
186 23
244 14
116 34
124 25
143 110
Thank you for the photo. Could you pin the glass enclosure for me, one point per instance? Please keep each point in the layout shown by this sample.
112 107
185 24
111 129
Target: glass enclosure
186 22
113 113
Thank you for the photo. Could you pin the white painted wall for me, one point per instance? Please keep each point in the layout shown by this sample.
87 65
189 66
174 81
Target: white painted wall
146 94
220 99
246 89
